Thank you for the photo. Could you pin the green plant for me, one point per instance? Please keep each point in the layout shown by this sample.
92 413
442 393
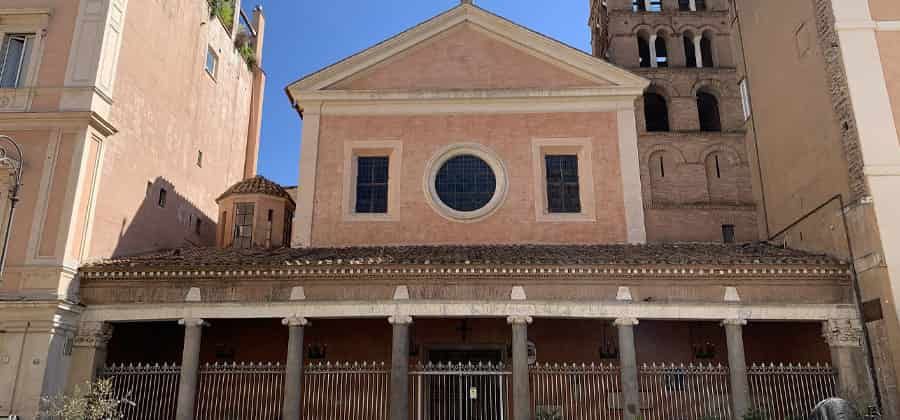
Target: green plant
224 10
243 44
548 413
755 414
91 401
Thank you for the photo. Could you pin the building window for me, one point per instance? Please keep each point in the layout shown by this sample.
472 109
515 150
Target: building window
690 52
161 201
656 112
212 62
745 99
243 225
638 5
198 226
199 159
288 226
15 55
465 183
654 6
563 195
662 51
728 234
684 5
372 184
700 5
644 51
706 52
708 107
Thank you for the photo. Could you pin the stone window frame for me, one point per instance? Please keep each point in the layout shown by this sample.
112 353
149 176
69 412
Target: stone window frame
393 150
482 152
24 21
579 146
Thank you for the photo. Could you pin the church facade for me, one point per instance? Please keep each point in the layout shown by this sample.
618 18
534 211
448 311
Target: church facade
472 239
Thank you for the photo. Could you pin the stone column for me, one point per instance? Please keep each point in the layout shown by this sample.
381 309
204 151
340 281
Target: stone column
190 367
697 52
631 392
652 41
521 391
88 352
400 367
845 339
737 366
293 374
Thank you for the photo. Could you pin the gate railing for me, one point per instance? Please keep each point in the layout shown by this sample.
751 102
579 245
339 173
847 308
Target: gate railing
464 391
346 391
576 392
240 391
790 391
152 388
693 391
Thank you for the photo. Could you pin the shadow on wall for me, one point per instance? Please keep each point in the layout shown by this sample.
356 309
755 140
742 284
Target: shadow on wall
164 220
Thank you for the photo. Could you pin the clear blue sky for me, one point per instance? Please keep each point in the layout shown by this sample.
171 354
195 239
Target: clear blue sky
303 36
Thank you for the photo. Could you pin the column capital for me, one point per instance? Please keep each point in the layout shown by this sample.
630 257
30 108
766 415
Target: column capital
93 334
626 322
519 319
295 321
843 332
734 321
193 322
400 319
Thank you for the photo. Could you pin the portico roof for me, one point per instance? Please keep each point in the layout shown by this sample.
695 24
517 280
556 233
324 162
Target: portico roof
672 254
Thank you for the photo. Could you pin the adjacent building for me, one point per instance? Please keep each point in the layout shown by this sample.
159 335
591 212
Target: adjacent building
133 116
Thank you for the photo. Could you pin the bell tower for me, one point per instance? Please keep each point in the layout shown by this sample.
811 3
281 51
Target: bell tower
690 121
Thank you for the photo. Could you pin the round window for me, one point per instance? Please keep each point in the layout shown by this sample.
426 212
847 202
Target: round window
465 182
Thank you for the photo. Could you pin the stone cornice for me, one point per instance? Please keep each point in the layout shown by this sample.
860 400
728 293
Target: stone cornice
300 271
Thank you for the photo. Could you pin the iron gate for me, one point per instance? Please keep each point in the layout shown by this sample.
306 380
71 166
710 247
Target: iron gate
464 391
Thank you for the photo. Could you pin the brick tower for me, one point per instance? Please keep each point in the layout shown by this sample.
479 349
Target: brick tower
695 169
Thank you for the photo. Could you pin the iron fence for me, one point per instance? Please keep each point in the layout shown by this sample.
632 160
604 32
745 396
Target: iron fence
687 392
346 391
576 392
792 390
240 391
464 391
152 388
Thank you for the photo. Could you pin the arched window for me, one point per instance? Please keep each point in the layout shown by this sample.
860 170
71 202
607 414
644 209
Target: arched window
662 53
684 5
706 52
656 112
708 107
644 50
690 53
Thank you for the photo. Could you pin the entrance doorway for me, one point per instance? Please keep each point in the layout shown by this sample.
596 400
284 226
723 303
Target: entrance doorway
462 384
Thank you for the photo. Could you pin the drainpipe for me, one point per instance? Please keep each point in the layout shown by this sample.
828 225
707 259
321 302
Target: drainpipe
13 193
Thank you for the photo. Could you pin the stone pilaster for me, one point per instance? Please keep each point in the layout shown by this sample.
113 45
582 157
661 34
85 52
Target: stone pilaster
521 392
631 393
737 366
88 352
845 339
400 367
190 368
293 375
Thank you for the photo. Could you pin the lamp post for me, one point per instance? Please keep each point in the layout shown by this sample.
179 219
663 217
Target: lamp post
15 164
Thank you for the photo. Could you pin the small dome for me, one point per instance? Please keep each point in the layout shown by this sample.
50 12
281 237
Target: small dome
257 185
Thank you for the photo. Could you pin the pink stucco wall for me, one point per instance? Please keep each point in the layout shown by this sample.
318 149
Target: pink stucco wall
889 47
463 58
510 137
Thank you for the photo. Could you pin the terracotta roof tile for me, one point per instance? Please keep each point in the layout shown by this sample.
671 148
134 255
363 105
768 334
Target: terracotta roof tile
257 185
562 255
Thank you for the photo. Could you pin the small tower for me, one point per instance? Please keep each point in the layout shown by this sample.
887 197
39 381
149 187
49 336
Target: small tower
255 213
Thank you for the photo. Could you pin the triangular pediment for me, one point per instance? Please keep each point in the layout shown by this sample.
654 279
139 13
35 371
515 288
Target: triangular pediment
470 49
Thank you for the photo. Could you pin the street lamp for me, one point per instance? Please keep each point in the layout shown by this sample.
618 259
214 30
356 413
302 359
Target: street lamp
15 164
